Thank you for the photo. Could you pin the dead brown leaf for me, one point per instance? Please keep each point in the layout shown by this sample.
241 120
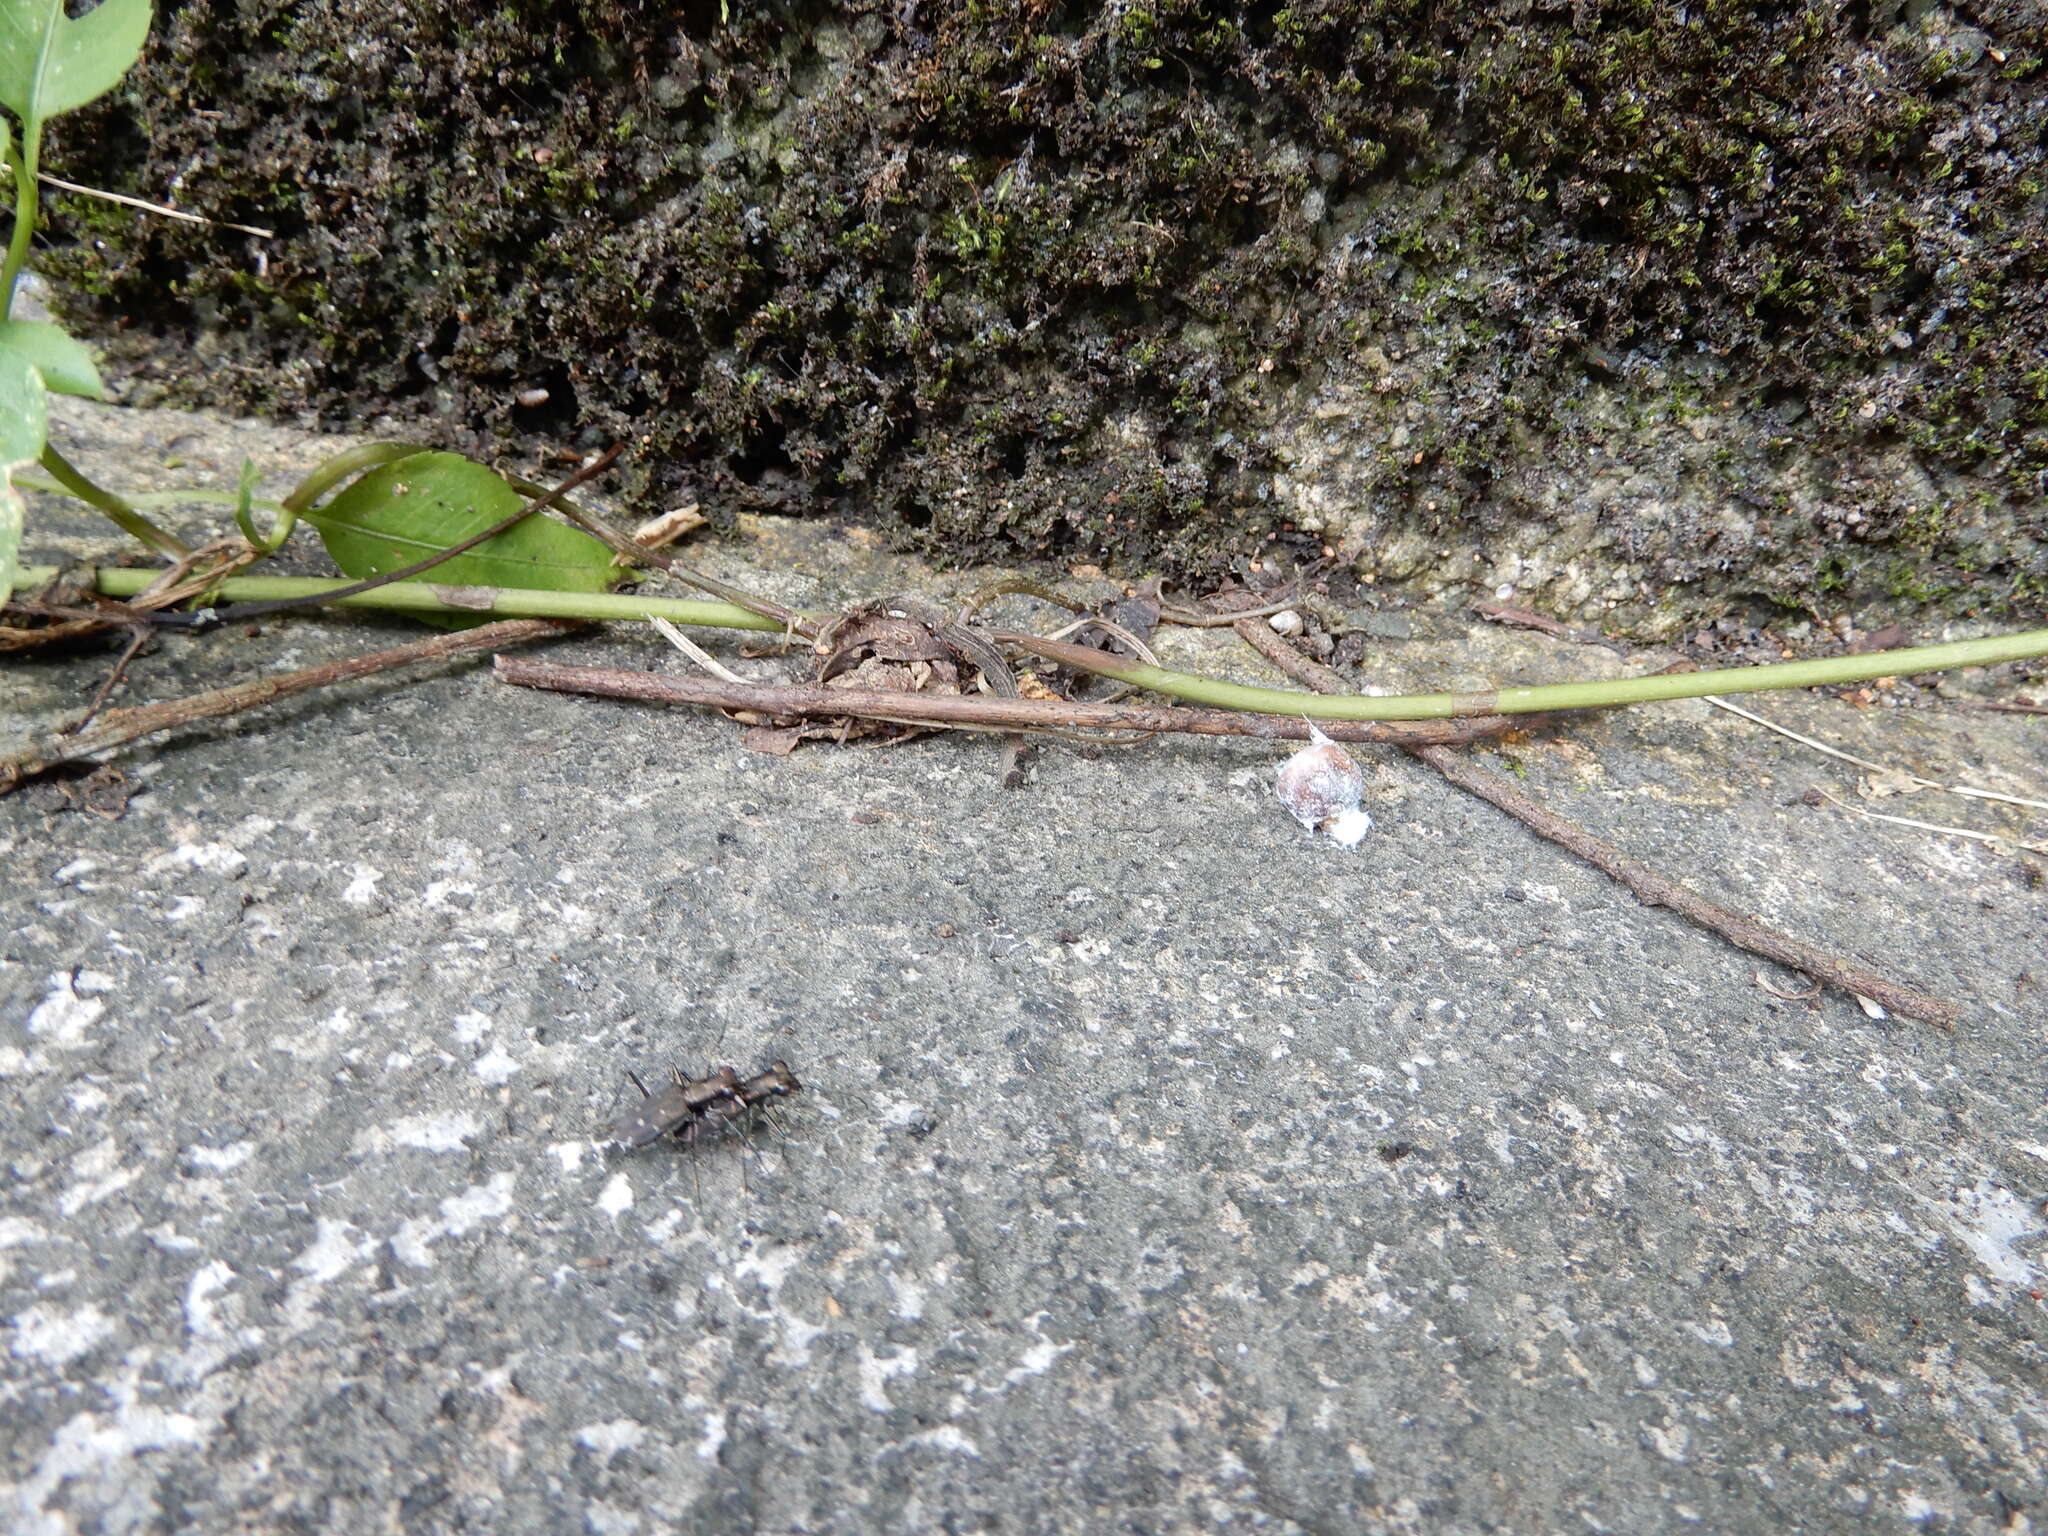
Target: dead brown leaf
772 740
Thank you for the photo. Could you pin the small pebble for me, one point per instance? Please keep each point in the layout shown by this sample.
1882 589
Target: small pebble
1286 622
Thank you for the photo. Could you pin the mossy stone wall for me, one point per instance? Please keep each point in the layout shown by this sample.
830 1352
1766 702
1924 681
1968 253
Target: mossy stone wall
1636 305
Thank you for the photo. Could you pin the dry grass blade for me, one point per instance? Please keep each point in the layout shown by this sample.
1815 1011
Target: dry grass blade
696 652
1929 826
159 209
1913 779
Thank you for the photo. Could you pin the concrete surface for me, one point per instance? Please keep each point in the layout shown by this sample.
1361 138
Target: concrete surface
1162 1169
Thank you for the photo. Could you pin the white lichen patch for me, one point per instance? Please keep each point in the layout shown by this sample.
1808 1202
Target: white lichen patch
202 1316
219 1159
469 1028
445 1132
944 1438
715 1434
336 1248
103 1452
460 1215
61 1019
901 1112
99 1174
1035 1361
875 1375
56 1337
612 1439
617 1195
1991 1222
495 1067
222 859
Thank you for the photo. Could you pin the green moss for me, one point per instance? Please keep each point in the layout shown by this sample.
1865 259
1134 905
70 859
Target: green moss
1008 274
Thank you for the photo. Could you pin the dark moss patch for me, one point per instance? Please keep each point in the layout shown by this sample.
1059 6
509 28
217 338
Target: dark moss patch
1046 277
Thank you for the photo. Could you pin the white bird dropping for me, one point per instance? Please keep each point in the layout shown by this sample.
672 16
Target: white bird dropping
1320 785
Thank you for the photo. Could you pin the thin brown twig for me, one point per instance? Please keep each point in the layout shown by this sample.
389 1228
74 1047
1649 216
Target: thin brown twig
176 582
1528 618
641 554
987 710
137 639
104 613
125 725
1649 887
2016 707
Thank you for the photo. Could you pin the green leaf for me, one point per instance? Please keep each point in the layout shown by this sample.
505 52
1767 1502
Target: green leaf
50 63
398 514
344 466
24 415
13 513
24 425
245 505
67 368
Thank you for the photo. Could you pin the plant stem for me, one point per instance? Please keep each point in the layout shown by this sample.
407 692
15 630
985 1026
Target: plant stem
1650 887
782 617
508 602
435 597
986 711
196 495
25 208
130 521
1520 701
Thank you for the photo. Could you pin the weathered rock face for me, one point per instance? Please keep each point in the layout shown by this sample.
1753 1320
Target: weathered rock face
1626 305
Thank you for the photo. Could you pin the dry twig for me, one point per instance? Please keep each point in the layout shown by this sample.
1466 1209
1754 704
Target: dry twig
125 725
136 642
2014 707
162 209
988 711
1649 887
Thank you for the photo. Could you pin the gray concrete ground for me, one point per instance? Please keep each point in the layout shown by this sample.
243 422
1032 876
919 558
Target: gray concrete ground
1161 1168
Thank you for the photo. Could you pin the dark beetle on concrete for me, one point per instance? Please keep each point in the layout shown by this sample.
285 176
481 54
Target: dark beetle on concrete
674 1108
739 1110
693 1108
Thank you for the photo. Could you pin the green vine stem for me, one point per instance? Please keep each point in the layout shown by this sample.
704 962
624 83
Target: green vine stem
500 602
1554 696
345 466
192 496
130 521
440 599
25 160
